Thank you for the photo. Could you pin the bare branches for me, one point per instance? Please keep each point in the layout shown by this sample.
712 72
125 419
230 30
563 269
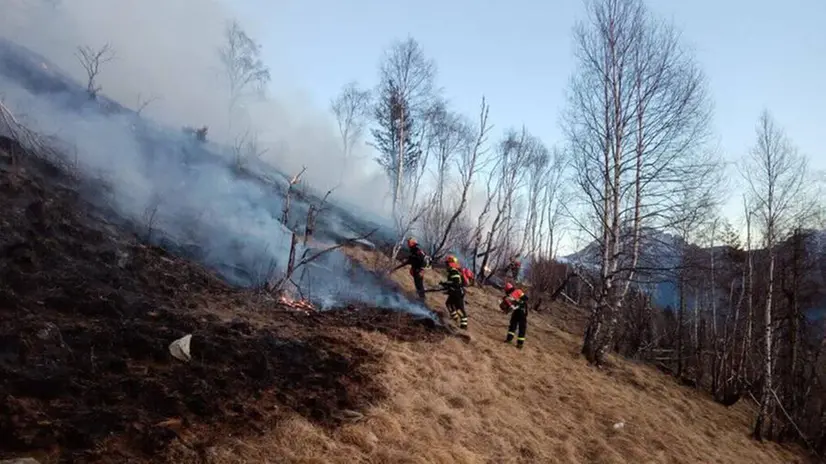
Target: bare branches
245 149
92 59
150 214
27 139
351 109
312 212
406 86
285 213
775 177
468 165
638 111
406 65
142 103
245 72
308 258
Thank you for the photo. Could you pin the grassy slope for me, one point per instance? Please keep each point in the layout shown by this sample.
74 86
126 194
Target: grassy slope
484 401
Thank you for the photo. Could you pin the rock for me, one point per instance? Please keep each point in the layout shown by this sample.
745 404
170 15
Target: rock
180 348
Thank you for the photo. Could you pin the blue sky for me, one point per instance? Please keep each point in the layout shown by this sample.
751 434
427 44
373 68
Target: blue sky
756 54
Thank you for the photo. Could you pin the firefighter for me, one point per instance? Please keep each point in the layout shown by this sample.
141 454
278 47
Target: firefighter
455 289
514 267
417 260
516 301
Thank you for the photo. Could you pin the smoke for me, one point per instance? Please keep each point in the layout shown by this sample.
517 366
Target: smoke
187 191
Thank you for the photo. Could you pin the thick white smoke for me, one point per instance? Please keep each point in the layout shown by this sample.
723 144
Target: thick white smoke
168 49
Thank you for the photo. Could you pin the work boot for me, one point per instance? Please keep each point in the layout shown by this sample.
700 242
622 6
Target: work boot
509 338
520 343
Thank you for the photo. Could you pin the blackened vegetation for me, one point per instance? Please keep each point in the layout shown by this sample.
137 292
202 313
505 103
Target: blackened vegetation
87 314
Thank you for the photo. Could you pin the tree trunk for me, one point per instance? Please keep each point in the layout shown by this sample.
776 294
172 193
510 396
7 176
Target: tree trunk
399 166
766 392
680 325
698 343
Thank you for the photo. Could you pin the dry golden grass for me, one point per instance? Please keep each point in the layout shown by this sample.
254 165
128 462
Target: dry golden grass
487 402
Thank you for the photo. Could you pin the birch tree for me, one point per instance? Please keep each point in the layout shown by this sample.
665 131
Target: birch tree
774 173
638 109
514 152
408 75
470 160
243 68
351 110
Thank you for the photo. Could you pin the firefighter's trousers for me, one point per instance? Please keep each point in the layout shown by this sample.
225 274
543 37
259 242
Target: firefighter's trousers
518 326
456 305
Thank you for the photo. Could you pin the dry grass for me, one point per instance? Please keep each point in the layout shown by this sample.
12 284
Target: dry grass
485 401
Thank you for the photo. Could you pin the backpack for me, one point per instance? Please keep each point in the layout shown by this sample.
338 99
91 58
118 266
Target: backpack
467 276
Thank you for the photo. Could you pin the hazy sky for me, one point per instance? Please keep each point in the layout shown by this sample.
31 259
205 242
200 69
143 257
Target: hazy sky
756 53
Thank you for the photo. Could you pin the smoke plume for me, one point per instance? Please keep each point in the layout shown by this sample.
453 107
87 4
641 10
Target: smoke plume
182 191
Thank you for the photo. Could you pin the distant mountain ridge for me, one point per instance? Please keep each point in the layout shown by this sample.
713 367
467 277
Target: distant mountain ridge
661 255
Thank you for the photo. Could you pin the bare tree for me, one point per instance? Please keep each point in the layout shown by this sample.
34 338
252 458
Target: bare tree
285 212
448 134
142 103
470 162
514 153
351 109
92 59
245 149
774 176
638 109
553 196
150 214
539 173
245 72
407 79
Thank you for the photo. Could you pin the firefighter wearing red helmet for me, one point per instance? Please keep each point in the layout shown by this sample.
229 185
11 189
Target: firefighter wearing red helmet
418 260
516 302
454 287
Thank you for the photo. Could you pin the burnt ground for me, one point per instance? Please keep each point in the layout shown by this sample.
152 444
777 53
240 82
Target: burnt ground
87 314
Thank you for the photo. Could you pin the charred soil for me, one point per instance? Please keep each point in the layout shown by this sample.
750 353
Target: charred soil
87 314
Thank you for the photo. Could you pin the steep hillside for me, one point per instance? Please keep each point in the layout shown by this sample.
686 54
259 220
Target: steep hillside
544 404
87 313
85 375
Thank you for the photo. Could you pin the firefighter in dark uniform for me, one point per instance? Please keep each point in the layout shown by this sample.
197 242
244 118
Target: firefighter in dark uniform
514 266
516 301
454 287
417 260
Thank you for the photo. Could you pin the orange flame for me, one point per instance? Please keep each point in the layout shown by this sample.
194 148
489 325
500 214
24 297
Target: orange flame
302 305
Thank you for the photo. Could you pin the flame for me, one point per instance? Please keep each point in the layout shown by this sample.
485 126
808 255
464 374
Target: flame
301 305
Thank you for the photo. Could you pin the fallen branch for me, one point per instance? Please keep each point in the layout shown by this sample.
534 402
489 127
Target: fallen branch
27 139
794 424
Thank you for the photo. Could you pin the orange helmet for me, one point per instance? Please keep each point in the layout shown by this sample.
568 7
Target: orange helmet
508 287
411 242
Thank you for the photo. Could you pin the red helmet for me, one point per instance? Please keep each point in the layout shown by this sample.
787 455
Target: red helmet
450 259
411 242
508 287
